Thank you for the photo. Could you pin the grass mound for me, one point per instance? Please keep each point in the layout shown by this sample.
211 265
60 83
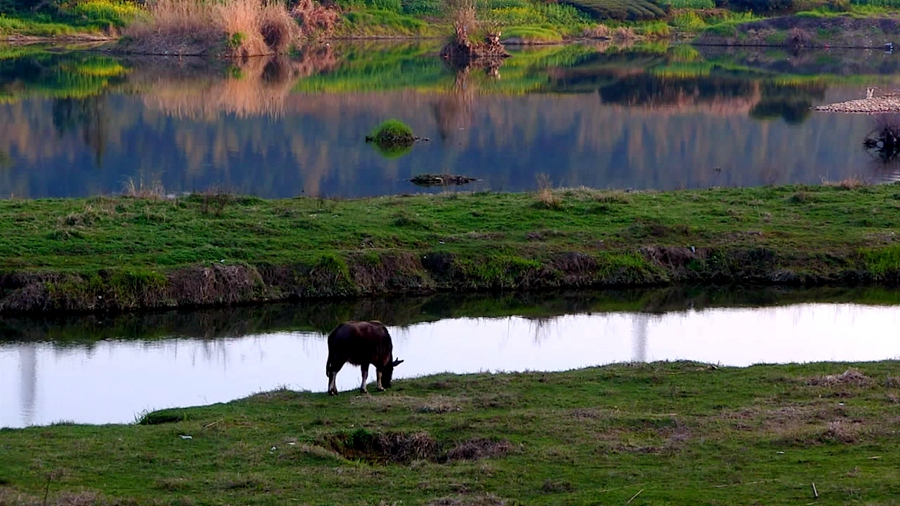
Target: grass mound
392 138
236 28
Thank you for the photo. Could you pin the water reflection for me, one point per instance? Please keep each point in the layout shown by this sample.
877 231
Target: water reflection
78 124
58 370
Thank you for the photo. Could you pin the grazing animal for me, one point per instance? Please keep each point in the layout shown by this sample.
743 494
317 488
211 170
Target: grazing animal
361 343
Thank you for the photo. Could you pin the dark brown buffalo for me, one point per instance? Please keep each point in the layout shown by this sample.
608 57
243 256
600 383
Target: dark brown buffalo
361 343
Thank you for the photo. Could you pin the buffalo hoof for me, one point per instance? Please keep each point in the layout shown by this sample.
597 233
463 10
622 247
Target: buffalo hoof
363 391
381 389
332 392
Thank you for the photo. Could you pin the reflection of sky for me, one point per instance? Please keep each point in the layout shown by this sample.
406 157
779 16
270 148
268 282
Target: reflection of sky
113 381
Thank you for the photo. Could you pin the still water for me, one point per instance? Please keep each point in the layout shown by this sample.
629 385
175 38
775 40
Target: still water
82 124
54 371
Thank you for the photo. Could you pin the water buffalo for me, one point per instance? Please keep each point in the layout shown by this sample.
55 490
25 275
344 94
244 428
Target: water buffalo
361 343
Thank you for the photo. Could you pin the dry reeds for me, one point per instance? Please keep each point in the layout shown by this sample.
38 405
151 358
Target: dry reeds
229 28
463 15
546 198
315 19
598 32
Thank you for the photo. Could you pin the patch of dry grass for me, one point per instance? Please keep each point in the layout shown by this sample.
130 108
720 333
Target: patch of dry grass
849 377
315 20
850 183
600 31
237 28
12 498
546 198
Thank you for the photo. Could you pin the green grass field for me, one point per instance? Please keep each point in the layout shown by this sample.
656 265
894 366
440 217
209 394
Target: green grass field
661 433
122 252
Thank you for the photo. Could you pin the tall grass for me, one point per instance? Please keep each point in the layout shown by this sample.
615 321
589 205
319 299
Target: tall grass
232 27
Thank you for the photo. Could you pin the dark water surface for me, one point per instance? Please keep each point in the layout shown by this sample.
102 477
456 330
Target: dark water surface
81 124
100 369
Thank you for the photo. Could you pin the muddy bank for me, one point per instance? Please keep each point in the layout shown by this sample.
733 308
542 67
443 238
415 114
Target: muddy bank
408 273
807 32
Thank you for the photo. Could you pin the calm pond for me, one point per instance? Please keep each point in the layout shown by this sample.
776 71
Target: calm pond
94 369
86 123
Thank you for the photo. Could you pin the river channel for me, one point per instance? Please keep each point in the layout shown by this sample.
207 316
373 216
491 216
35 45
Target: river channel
77 124
110 369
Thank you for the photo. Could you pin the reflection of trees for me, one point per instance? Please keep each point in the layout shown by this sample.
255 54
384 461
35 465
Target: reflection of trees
28 366
793 103
649 90
86 115
322 316
453 110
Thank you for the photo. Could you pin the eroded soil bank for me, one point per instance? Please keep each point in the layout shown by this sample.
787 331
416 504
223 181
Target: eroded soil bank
127 253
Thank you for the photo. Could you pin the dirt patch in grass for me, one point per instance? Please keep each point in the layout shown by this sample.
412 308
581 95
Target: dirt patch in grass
9 497
475 449
850 377
464 500
405 448
383 448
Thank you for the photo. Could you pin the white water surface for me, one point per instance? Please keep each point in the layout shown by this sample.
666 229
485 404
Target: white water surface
114 381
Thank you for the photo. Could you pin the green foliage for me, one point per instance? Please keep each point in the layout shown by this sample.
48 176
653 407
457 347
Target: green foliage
654 29
688 21
430 8
532 34
546 16
383 22
236 39
631 10
117 13
882 261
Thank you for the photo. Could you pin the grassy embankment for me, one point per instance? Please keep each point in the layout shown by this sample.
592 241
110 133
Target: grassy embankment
77 19
129 253
662 433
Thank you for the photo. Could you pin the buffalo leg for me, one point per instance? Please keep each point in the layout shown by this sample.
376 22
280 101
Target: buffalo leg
378 375
365 376
332 384
332 372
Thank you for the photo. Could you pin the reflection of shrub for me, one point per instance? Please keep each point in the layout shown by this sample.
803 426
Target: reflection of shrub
393 138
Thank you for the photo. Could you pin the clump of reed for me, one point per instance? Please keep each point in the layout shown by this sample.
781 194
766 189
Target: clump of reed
236 28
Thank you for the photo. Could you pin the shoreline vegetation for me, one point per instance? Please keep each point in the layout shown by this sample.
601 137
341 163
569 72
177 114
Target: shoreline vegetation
152 251
242 28
667 432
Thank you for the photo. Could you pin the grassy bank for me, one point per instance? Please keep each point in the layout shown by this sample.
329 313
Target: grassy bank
662 433
150 252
